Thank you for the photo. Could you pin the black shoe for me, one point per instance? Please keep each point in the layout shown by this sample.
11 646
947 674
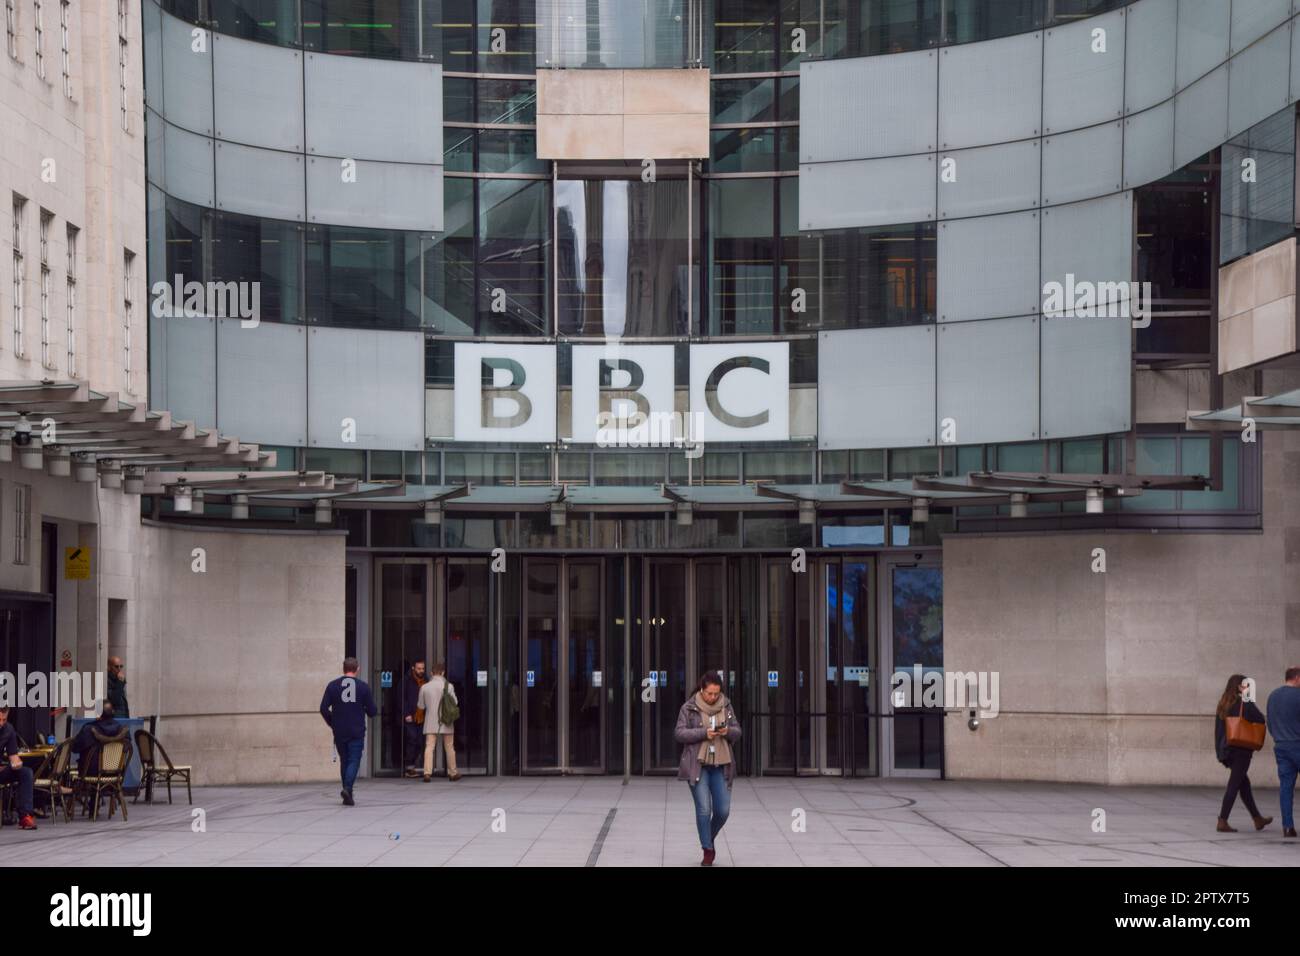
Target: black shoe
347 798
1288 832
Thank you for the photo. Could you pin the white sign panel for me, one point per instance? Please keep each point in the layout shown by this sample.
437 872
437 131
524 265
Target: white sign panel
505 392
612 384
743 390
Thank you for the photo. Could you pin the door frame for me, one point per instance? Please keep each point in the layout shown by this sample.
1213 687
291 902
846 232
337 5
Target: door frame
691 651
920 558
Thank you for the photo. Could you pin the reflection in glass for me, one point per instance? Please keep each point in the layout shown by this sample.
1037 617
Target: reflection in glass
878 276
264 251
623 257
363 278
513 227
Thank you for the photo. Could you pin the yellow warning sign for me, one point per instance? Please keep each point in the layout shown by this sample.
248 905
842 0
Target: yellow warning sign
76 564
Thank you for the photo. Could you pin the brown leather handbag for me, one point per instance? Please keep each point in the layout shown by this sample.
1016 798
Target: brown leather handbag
1241 732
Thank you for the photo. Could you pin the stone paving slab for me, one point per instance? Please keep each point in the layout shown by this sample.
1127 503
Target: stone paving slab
514 821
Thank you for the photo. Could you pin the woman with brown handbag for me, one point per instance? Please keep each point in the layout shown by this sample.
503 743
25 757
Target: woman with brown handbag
1238 732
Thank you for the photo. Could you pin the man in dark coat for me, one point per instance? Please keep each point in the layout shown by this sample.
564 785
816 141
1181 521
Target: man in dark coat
412 730
117 687
86 746
345 706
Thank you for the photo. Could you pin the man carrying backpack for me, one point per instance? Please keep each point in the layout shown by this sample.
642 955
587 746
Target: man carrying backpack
441 709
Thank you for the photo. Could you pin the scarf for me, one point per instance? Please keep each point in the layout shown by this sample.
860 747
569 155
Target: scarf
721 749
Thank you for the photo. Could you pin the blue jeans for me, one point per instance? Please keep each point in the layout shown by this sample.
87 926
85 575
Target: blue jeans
1287 754
23 778
712 804
350 759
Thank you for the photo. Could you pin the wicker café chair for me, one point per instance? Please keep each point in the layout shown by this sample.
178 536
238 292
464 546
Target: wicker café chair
114 755
156 766
53 779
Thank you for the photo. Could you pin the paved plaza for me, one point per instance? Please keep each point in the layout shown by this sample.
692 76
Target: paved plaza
596 821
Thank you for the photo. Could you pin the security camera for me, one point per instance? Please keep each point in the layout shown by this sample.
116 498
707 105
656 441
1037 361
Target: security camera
23 431
974 722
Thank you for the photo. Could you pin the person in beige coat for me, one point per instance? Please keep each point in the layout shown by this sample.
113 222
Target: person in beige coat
430 700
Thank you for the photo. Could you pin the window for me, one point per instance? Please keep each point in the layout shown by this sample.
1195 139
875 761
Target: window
47 358
65 44
72 300
20 206
128 317
22 523
123 54
38 28
11 28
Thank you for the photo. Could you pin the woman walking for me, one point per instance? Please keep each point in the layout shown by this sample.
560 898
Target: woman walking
1235 758
707 728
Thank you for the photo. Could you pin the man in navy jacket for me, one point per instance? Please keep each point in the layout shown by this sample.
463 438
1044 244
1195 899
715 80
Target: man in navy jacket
345 706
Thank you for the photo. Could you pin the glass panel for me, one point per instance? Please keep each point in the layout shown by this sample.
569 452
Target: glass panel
363 278
461 530
264 251
509 151
743 101
267 21
615 34
482 468
714 468
584 661
513 228
403 631
184 230
1196 461
870 27
1155 456
909 462
624 261
541 665
385 465
374 28
883 275
799 288
1027 457
779 666
629 469
853 531
745 36
781 467
762 531
1256 214
340 462
538 532
449 263
507 36
859 676
970 20
507 101
666 636
741 223
751 149
1082 457
711 615
720 530
469 641
916 620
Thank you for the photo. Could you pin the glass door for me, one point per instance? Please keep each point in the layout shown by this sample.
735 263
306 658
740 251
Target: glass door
466 648
913 618
786 670
584 668
541 664
403 636
846 737
667 661
564 666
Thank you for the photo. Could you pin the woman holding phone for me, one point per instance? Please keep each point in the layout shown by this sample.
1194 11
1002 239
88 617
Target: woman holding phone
1236 759
707 729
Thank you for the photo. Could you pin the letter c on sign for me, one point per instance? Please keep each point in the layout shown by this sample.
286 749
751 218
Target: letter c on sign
711 391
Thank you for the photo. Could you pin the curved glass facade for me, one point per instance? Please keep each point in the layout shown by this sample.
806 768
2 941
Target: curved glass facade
735 36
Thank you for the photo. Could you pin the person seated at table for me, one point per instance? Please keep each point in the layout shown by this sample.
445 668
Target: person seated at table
86 747
13 771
